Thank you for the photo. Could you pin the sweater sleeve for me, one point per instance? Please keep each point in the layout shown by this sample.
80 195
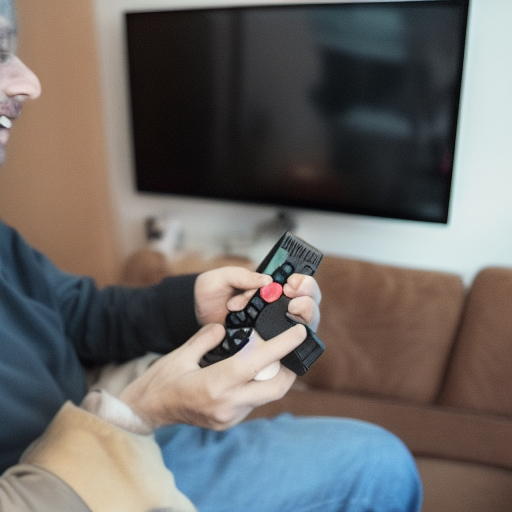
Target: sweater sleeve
118 323
83 463
107 325
113 324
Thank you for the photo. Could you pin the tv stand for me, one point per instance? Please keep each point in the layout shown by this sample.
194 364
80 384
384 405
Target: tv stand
283 221
256 243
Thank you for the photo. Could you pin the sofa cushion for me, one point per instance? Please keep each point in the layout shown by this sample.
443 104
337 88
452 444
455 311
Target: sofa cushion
388 331
452 486
427 430
480 375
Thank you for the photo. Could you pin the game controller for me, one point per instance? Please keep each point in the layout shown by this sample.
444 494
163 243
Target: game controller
266 311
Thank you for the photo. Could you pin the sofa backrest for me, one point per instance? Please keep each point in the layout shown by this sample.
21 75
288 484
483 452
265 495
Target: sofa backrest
480 372
388 331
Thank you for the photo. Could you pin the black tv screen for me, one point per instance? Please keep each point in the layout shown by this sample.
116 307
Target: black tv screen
347 107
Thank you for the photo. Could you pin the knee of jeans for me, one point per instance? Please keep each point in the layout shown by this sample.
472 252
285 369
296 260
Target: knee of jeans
397 473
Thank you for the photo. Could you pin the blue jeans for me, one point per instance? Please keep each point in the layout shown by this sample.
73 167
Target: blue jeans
289 464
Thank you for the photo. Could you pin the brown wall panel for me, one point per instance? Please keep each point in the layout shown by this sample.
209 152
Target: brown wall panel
54 185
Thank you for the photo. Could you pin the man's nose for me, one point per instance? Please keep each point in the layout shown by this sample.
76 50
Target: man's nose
22 81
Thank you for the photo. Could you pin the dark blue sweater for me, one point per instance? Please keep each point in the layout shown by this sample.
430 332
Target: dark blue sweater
52 323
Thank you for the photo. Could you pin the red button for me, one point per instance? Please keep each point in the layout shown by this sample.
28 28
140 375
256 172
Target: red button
271 292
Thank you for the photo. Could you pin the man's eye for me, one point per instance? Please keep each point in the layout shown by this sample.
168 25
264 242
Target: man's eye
5 57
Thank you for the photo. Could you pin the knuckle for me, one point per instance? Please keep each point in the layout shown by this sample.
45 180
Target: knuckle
283 387
213 394
221 418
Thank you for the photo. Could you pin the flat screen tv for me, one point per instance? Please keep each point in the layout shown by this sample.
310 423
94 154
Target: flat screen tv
346 107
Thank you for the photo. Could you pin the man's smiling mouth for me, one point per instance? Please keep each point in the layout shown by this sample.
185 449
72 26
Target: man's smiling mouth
5 122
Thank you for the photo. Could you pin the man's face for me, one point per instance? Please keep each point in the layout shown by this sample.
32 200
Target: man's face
17 82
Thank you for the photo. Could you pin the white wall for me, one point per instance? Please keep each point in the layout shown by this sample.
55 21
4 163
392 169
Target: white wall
479 232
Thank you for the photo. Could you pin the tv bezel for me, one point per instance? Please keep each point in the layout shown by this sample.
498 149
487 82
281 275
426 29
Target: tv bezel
298 204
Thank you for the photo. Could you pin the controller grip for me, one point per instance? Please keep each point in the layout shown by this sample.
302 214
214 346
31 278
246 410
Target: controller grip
273 320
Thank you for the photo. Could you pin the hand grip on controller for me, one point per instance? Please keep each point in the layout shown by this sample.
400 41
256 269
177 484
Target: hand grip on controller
267 313
267 309
274 320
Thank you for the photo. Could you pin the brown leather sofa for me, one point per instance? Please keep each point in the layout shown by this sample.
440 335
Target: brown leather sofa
425 357
416 352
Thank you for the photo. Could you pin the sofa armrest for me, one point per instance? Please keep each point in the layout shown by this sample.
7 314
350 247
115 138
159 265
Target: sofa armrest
480 373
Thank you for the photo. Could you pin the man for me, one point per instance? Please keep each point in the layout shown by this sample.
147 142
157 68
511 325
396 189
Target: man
102 456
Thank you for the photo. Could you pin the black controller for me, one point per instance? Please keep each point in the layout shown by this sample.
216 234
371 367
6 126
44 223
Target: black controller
267 308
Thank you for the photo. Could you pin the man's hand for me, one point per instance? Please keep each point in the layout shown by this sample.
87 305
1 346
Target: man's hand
214 290
220 291
175 389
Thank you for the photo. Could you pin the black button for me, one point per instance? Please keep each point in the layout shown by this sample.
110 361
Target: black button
279 276
233 320
241 316
288 268
257 302
252 312
308 271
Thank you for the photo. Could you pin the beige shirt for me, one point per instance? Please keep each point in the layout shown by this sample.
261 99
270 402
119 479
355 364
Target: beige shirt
85 464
